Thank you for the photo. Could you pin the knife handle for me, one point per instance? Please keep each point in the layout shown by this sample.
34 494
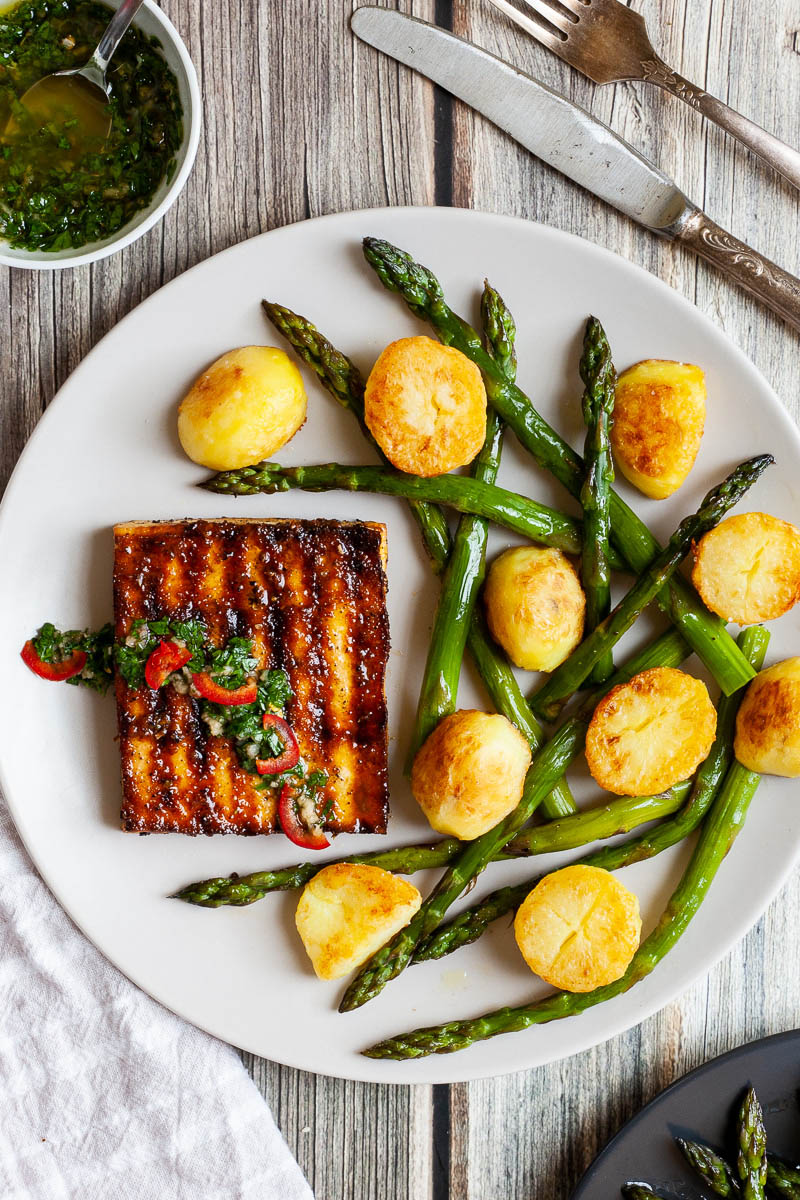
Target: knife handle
763 279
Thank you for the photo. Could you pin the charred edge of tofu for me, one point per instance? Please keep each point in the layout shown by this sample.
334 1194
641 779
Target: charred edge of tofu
311 596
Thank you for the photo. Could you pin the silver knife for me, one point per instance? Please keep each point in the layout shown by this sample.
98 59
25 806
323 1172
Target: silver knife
577 144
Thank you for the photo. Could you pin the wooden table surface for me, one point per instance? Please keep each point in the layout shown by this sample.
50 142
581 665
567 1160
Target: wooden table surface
301 120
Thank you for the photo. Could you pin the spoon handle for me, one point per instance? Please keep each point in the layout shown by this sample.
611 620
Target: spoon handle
113 34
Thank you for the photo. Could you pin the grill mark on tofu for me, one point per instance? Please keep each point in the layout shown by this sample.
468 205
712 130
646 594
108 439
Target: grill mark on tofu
310 595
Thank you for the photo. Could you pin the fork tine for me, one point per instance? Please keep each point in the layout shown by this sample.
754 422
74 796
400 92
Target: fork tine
548 37
552 15
579 7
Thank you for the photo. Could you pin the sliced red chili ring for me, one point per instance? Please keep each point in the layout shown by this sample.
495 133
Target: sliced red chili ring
293 827
166 658
209 689
57 672
289 755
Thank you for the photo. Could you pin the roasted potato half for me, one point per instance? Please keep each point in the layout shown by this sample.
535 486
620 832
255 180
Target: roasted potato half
650 732
469 773
747 569
242 409
347 911
535 606
659 415
579 928
768 722
425 405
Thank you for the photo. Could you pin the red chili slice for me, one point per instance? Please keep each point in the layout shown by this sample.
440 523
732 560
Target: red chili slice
290 754
166 658
55 671
209 689
293 827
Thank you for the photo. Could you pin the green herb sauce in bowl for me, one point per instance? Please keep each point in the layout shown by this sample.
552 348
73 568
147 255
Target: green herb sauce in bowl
60 190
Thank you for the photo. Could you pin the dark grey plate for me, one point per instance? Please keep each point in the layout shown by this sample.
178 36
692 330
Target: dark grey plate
701 1106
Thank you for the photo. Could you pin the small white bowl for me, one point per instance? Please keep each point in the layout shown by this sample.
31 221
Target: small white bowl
152 21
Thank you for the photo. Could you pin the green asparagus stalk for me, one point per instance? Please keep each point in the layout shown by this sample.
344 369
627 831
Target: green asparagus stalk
461 580
751 1160
783 1179
599 380
620 815
713 1170
548 765
471 496
470 924
639 1191
343 381
466 566
567 678
423 294
720 829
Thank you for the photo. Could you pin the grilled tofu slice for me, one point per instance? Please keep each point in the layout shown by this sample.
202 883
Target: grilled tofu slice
311 596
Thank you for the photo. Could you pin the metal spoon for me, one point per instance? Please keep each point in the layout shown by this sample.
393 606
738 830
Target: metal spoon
81 92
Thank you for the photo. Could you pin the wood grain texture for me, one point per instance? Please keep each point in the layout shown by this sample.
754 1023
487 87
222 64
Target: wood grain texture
300 120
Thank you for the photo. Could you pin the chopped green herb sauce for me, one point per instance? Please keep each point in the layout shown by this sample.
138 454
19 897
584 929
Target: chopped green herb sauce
230 665
58 188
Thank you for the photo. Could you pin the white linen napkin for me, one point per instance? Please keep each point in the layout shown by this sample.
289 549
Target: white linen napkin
105 1094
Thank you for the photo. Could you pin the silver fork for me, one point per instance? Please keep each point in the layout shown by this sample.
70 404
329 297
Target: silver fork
608 42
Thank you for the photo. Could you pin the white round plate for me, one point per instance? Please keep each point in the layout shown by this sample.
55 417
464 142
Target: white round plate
106 451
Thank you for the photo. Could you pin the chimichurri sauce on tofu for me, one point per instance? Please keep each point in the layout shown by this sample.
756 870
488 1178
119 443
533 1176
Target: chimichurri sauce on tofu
59 187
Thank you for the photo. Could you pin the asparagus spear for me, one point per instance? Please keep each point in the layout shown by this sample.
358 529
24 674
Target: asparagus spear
599 380
461 580
471 496
548 764
423 294
466 566
619 815
713 1170
470 924
565 681
751 1161
639 1191
722 825
342 379
783 1179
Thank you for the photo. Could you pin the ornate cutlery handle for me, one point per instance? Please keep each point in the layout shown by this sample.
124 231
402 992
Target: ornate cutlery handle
773 151
768 282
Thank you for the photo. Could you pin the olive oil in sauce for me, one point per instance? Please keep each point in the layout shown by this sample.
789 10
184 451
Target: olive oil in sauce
73 167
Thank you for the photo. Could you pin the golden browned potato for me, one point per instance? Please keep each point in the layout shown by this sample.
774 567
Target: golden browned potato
650 732
579 928
768 722
535 606
747 569
659 414
242 409
425 405
469 773
348 911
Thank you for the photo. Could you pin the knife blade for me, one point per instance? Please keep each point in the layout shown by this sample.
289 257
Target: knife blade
575 143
